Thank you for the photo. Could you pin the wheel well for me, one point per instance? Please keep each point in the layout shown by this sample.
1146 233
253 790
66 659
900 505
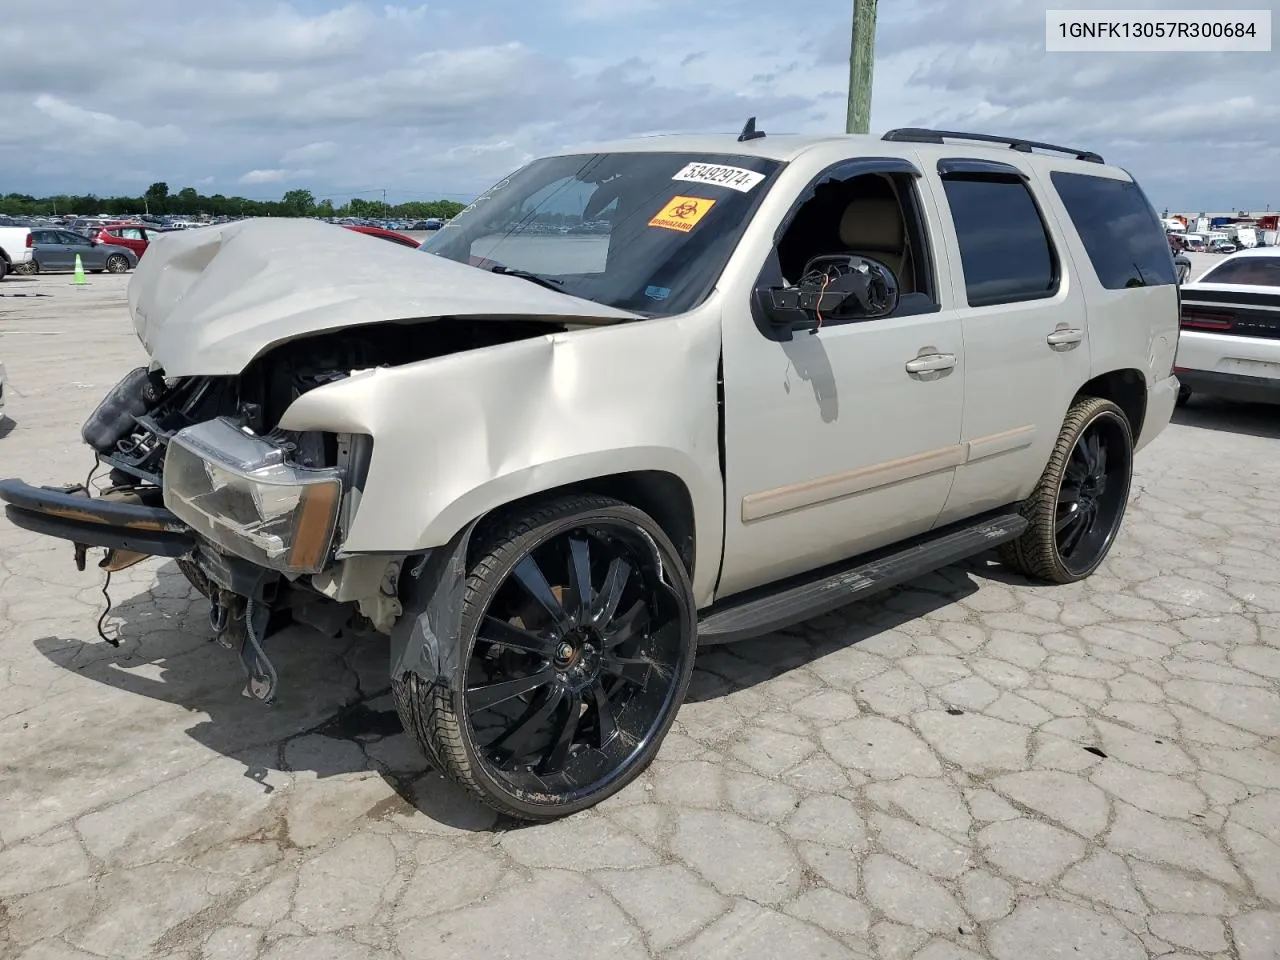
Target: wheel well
4 256
661 495
1127 389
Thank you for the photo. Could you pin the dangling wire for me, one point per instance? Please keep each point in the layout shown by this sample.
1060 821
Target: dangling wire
106 586
826 279
97 462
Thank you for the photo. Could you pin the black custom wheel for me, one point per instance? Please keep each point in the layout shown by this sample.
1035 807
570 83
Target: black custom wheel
578 637
1076 509
117 263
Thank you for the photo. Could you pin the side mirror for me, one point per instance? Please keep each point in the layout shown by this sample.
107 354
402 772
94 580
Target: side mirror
842 287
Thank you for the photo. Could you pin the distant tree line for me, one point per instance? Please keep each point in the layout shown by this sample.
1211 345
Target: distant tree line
187 202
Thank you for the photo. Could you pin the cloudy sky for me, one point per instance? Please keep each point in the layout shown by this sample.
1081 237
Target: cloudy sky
252 97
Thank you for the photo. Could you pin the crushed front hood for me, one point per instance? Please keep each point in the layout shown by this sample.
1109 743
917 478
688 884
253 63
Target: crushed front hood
208 300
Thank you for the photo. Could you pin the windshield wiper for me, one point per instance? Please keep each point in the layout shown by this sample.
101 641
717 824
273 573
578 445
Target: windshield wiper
549 282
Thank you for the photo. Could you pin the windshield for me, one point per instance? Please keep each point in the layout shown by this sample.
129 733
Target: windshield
1248 271
646 232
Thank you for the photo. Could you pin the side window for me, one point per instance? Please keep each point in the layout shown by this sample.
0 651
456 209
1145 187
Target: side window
876 215
1005 250
1119 229
73 239
131 233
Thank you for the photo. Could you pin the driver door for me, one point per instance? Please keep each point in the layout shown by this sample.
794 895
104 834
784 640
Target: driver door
837 442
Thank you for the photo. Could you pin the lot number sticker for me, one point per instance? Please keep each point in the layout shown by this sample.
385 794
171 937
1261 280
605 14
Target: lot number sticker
735 178
682 213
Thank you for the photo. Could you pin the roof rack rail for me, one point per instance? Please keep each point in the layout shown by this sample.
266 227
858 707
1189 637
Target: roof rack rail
922 135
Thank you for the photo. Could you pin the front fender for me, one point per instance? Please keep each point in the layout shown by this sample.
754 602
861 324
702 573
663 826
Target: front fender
457 436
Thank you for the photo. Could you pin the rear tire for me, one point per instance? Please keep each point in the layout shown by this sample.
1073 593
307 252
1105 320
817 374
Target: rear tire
577 645
117 264
1076 509
1184 394
4 267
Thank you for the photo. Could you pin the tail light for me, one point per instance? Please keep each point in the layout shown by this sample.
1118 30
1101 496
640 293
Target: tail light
31 241
1194 318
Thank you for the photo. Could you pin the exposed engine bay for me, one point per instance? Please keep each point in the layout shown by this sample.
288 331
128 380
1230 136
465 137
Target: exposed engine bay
131 426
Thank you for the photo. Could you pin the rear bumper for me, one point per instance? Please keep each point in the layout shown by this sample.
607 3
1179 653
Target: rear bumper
1229 366
1231 386
96 521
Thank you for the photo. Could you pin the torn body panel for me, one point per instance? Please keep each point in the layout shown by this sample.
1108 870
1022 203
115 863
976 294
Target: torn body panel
456 436
209 301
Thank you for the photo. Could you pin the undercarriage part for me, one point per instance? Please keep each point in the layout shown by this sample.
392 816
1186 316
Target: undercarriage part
241 625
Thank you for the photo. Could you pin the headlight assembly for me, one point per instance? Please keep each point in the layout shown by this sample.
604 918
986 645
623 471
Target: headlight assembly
238 491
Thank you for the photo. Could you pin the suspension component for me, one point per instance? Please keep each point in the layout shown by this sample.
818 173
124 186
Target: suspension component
241 624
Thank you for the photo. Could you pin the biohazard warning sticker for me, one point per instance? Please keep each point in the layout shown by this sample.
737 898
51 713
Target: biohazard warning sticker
735 178
682 213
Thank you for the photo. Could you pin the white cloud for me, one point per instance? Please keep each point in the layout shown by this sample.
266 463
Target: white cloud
266 176
95 127
310 152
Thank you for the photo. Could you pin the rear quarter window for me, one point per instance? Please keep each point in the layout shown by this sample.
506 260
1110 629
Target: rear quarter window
1120 231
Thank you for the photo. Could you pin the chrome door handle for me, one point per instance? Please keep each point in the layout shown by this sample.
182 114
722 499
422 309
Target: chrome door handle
931 366
1064 338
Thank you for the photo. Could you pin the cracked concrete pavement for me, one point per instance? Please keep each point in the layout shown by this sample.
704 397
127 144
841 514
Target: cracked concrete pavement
970 767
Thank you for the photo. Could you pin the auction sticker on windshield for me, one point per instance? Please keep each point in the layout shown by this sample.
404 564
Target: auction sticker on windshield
682 213
735 178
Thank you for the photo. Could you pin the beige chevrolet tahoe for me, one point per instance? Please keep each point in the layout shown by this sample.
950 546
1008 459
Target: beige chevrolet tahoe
635 398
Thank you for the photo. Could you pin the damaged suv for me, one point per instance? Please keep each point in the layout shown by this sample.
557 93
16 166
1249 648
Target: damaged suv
670 391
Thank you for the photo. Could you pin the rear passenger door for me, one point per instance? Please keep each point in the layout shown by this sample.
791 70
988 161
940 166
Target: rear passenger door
1024 324
48 252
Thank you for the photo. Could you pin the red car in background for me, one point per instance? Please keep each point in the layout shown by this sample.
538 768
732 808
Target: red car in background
135 236
385 234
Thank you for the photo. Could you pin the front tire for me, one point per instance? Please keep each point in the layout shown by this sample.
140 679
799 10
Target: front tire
1076 509
117 264
577 642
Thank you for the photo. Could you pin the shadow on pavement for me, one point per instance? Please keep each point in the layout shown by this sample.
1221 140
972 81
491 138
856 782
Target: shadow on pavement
7 425
336 688
1249 419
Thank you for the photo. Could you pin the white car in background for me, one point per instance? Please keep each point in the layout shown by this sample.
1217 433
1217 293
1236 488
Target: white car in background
1229 342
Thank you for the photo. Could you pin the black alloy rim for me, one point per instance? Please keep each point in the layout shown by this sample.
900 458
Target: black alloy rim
576 661
1092 496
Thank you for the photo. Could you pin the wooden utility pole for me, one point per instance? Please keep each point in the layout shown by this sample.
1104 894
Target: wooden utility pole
862 53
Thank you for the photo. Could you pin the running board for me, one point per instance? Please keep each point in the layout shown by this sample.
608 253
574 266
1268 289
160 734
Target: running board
776 606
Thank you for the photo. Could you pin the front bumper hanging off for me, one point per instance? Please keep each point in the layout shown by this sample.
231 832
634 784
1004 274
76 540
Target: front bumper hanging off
69 513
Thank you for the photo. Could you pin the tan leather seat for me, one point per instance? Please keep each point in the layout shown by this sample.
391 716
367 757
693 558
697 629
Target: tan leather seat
872 227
